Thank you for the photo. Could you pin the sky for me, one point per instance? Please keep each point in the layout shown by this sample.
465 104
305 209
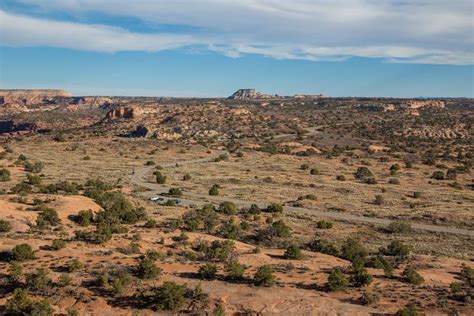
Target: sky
210 48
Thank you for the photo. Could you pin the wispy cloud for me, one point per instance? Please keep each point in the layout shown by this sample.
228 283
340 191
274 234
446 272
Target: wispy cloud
417 31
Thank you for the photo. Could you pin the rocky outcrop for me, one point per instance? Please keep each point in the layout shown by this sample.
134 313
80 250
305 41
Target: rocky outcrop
91 101
248 94
123 112
416 104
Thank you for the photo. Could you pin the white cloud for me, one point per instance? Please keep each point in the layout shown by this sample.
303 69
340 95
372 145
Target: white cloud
421 31
19 30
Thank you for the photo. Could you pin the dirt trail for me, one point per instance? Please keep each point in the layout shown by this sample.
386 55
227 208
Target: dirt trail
190 198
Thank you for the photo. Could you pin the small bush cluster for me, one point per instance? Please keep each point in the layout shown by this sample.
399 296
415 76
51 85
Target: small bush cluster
264 276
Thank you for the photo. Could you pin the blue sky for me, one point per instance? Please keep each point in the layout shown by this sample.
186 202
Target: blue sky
211 48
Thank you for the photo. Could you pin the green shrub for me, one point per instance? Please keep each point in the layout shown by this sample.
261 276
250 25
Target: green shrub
264 276
397 248
411 276
150 223
369 297
64 186
153 255
207 271
5 226
175 192
254 209
456 288
38 281
205 218
5 175
399 227
58 244
324 225
293 252
363 174
217 250
274 208
132 248
468 274
314 171
33 179
160 178
214 190
360 277
438 175
59 138
21 304
323 246
394 181
115 283
74 265
170 296
340 178
36 167
353 251
220 311
227 208
380 262
230 230
84 218
245 226
118 209
47 216
337 280
379 200
187 177
15 273
234 270
64 280
22 188
147 268
22 252
416 195
279 229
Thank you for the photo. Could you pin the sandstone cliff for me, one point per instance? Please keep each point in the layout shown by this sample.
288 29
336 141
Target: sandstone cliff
31 97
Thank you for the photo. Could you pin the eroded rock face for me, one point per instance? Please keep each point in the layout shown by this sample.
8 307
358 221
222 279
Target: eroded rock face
91 101
32 97
246 94
123 112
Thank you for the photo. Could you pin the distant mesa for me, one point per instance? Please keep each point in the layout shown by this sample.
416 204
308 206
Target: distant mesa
252 94
31 96
17 99
248 94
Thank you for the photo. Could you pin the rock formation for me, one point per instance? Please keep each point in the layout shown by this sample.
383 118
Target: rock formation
416 104
123 112
91 101
32 97
248 94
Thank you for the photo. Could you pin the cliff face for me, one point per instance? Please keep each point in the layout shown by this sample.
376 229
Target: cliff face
91 101
123 112
32 97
